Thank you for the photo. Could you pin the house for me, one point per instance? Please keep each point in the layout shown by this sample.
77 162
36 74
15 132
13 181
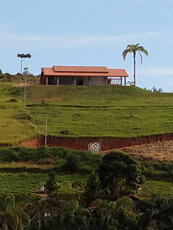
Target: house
82 75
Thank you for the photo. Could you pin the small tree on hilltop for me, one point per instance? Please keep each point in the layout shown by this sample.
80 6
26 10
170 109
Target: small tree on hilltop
119 174
51 185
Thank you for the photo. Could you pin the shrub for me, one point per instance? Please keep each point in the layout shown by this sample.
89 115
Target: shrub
72 164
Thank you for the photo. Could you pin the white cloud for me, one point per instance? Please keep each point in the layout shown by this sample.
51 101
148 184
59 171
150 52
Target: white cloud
157 71
43 41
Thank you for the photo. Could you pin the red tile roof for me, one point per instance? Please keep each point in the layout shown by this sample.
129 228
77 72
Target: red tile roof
83 71
117 73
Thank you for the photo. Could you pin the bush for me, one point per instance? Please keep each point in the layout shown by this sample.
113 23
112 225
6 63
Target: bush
72 164
13 100
66 159
157 169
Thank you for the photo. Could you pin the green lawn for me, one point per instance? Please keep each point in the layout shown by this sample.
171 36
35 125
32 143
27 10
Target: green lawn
15 124
28 184
152 187
78 111
100 111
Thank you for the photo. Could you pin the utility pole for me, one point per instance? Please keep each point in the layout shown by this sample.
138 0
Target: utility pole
25 83
21 69
45 140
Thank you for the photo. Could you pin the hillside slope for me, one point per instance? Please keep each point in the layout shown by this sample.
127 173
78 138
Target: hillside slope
15 123
113 111
78 111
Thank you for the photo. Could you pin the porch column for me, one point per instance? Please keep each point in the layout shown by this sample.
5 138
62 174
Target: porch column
124 81
57 81
46 80
74 80
121 81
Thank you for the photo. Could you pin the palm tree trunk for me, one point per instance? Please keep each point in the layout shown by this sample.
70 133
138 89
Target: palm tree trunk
134 57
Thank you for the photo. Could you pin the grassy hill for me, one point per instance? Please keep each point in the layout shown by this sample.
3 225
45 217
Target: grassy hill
113 111
15 124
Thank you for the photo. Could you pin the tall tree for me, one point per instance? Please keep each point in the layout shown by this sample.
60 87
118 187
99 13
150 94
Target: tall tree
161 212
51 185
134 49
73 217
119 174
22 56
92 188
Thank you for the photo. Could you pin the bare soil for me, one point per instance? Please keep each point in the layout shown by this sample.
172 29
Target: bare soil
158 151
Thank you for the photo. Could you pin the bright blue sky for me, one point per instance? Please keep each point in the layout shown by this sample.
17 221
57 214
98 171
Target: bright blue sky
89 32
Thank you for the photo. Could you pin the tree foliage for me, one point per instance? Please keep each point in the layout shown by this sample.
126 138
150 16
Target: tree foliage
119 174
74 217
134 49
51 185
92 188
160 212
11 217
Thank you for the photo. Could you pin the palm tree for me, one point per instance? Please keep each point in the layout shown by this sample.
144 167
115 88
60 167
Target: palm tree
131 48
11 217
73 217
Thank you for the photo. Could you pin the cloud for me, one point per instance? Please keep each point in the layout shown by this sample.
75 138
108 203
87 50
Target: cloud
42 41
157 71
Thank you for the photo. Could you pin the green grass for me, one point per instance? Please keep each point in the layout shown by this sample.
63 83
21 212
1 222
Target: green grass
27 165
28 184
151 187
81 111
100 111
15 124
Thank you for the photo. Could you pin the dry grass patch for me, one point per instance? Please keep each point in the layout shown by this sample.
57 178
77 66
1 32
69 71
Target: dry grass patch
159 151
24 164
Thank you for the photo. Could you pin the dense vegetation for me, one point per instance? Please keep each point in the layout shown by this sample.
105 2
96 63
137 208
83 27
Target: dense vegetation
78 193
82 190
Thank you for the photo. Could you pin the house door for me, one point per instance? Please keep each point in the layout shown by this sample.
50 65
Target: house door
81 82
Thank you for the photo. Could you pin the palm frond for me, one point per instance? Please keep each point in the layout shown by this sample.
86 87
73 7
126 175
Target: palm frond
142 50
140 56
125 52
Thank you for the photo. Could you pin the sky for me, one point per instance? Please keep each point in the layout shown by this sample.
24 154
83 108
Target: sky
89 33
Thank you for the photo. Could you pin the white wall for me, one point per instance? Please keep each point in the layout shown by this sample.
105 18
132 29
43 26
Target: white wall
98 81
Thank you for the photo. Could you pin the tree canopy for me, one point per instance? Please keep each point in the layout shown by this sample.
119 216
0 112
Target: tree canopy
11 217
119 174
